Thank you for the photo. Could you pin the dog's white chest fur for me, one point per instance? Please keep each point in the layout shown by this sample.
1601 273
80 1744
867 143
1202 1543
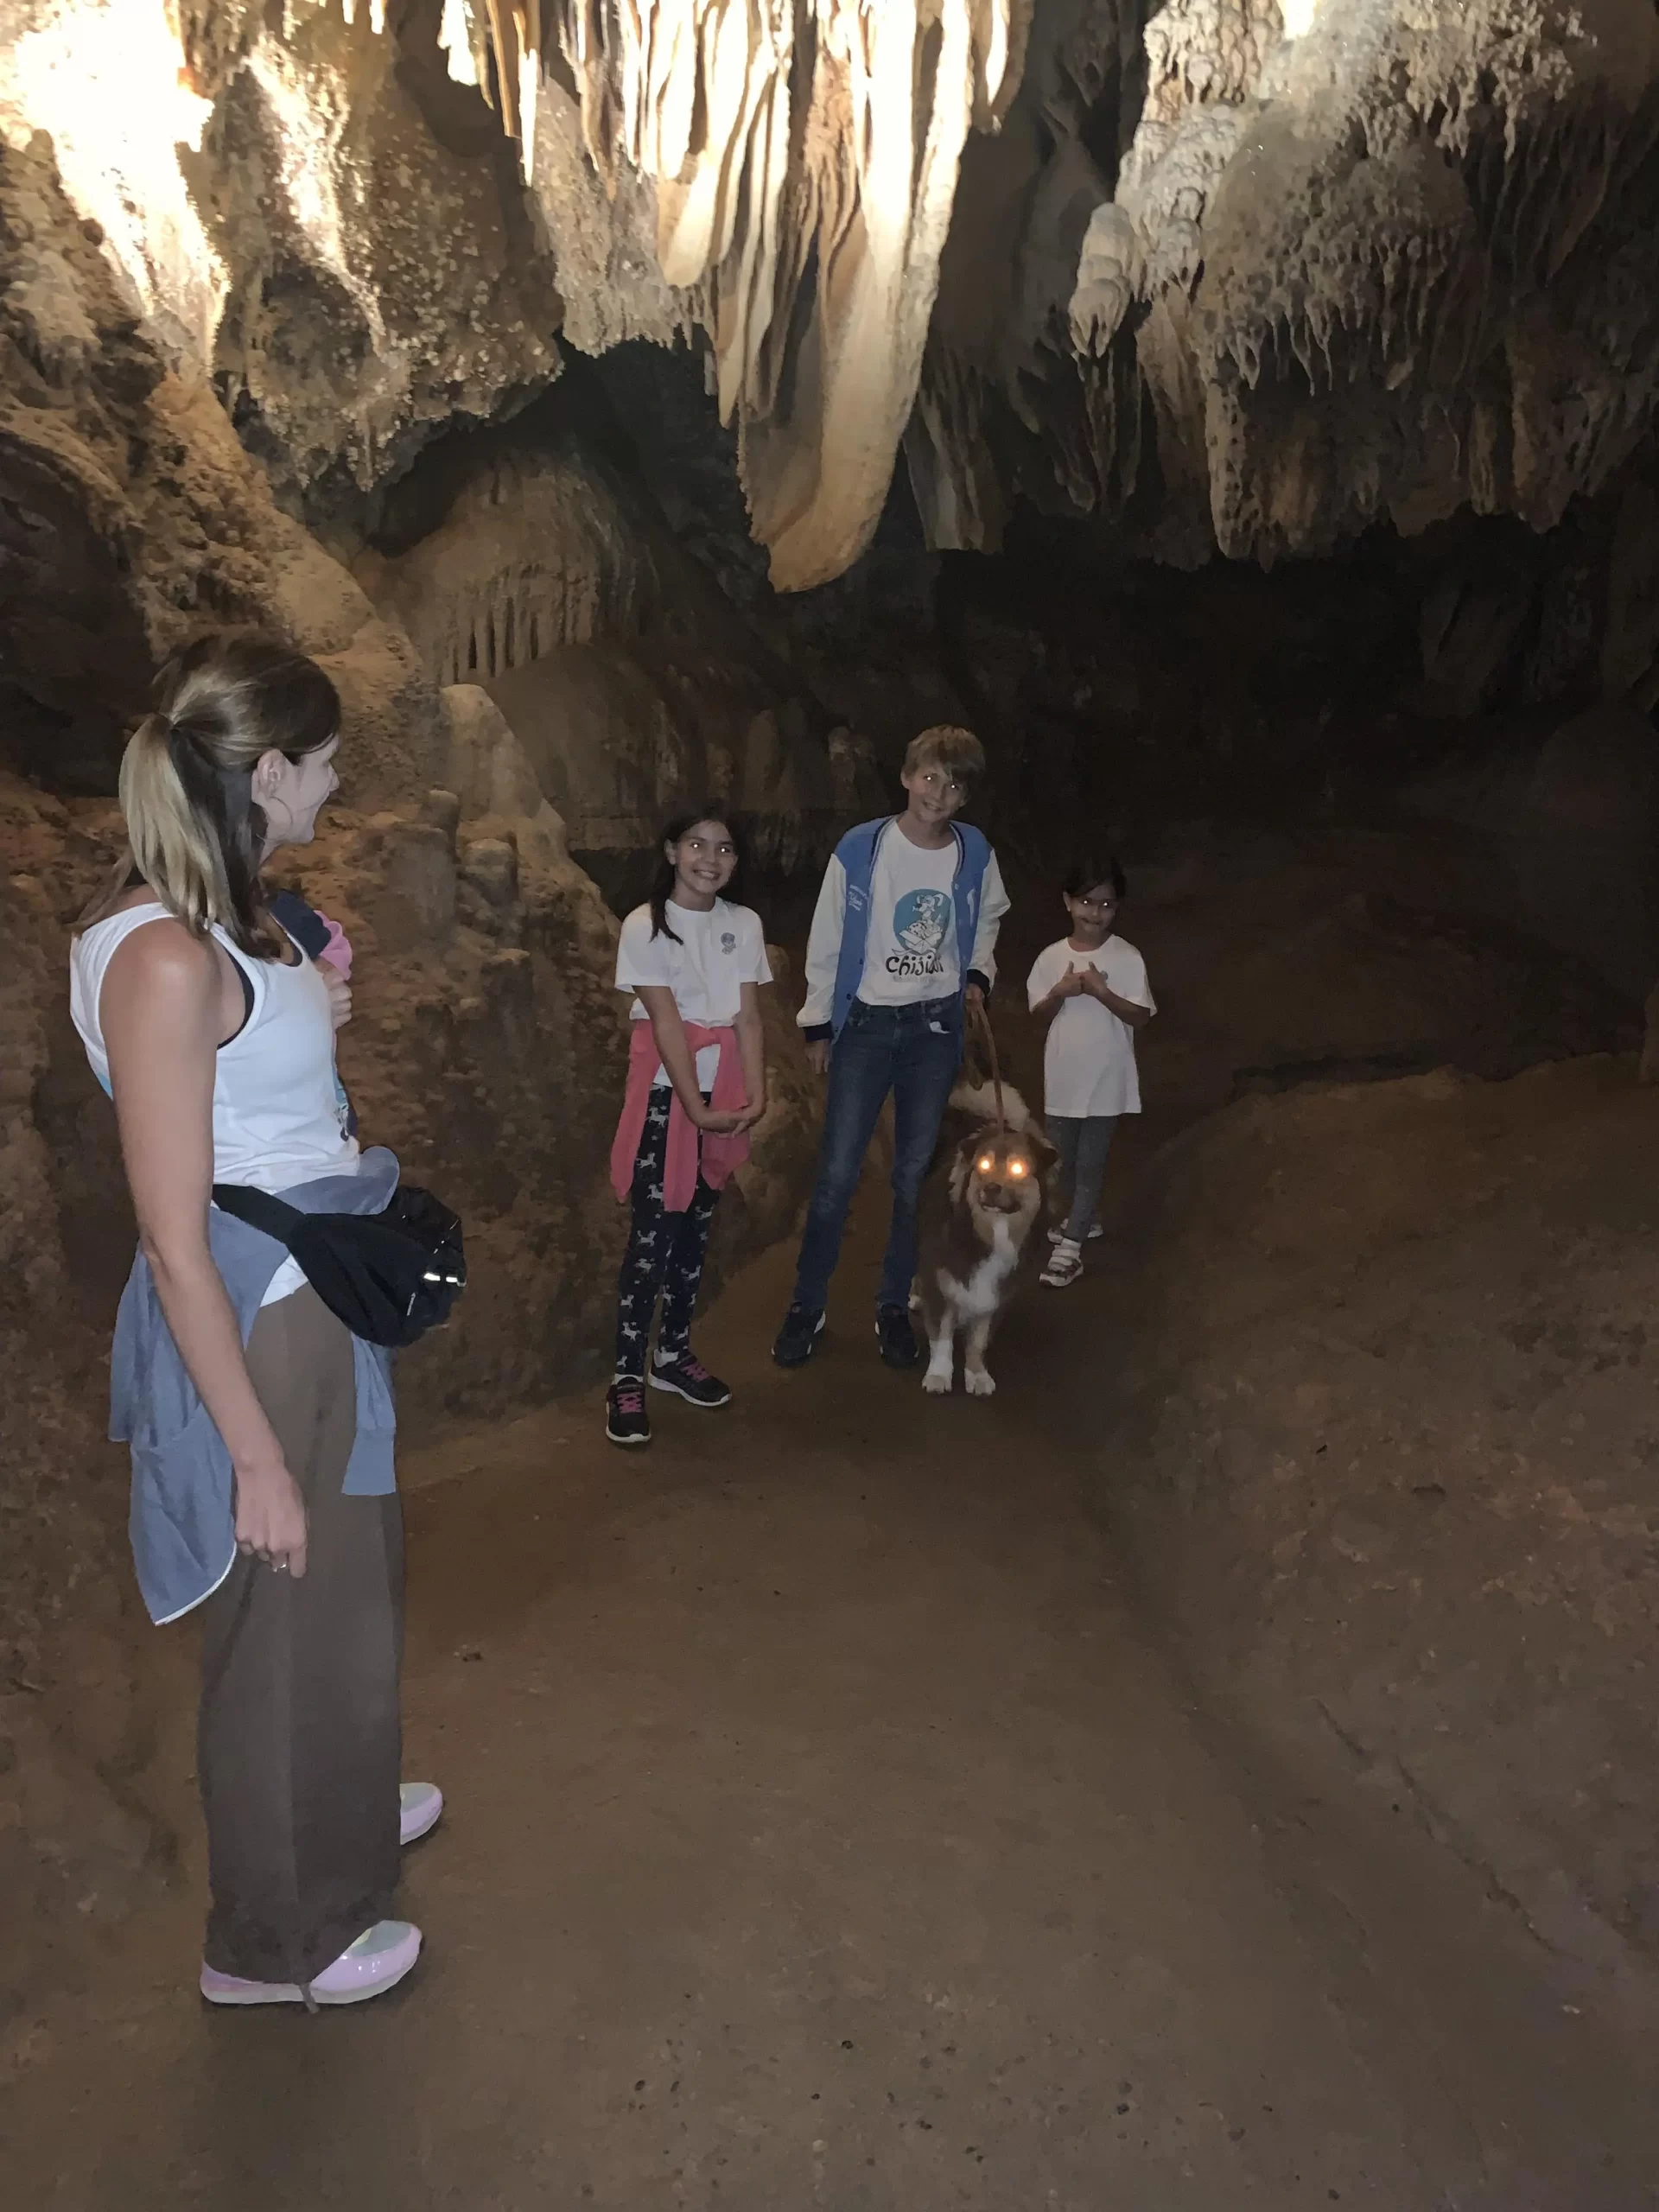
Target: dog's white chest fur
982 1294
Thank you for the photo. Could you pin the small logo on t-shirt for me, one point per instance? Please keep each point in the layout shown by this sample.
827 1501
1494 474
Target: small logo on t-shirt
727 941
919 922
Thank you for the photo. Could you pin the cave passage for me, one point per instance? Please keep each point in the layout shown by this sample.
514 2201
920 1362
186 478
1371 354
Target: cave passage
825 1827
1222 1770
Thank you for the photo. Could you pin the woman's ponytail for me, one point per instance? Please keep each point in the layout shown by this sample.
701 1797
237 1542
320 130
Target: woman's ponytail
196 835
171 848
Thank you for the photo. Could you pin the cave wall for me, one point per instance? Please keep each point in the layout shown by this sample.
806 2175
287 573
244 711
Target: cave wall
534 558
487 1045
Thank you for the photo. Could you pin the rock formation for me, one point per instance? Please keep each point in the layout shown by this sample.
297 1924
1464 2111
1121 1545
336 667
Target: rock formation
1233 273
1254 278
802 155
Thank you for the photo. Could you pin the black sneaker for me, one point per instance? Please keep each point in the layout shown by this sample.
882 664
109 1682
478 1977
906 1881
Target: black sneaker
626 1421
798 1338
689 1379
896 1337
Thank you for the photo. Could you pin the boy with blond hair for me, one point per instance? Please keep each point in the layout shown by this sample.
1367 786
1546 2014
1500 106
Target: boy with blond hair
902 941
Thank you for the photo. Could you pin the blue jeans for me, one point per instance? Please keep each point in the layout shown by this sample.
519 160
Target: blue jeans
913 1051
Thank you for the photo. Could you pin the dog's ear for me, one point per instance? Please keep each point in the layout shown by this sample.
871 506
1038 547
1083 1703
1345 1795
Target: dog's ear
1046 1161
961 1164
954 1124
1043 1153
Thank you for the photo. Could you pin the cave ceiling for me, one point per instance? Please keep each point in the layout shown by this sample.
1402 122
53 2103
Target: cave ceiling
1238 274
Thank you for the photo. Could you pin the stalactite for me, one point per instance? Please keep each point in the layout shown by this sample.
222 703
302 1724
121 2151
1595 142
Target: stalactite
790 144
1358 211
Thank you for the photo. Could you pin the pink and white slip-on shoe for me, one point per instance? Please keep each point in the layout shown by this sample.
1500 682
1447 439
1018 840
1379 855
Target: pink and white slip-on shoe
379 1960
419 1805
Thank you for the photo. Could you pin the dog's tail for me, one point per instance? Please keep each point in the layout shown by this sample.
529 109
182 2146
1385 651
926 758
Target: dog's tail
974 1098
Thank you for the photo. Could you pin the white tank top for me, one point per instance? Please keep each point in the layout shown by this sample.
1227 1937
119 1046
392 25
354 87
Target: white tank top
277 1114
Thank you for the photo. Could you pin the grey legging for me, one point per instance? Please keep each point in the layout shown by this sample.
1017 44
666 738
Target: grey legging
1083 1143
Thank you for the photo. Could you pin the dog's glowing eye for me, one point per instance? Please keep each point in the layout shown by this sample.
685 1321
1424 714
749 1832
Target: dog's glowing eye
1016 1168
985 1163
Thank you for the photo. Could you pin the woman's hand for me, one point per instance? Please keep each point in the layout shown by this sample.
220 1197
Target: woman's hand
339 995
270 1516
751 1112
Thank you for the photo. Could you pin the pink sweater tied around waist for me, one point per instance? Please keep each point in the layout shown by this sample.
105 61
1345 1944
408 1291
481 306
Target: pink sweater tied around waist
688 1148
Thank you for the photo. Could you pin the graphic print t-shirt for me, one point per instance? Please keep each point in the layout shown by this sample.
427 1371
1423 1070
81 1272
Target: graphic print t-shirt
719 952
911 951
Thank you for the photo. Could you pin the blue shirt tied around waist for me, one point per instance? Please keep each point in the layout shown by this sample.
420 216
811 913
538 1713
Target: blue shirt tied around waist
182 1518
856 853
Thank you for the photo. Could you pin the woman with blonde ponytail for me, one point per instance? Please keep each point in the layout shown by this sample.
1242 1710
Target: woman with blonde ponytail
260 1428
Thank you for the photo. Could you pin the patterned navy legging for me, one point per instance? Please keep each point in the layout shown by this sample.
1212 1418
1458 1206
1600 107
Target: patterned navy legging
665 1253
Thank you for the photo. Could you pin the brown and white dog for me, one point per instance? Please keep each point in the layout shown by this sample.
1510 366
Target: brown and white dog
980 1210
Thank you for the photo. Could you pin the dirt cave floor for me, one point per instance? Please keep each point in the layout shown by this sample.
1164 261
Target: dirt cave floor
824 1828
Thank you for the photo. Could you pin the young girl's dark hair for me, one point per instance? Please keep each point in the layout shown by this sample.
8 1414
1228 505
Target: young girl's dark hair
662 884
1092 868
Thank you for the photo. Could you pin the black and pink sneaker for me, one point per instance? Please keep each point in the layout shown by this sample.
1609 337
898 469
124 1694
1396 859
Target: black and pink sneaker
626 1421
689 1379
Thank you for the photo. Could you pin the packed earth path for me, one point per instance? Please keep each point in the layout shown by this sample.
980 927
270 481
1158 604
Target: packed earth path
825 1827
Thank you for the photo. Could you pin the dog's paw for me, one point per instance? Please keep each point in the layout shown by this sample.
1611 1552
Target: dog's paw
937 1382
976 1383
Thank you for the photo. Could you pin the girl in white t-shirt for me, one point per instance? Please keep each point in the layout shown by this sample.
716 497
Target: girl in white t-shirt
696 1086
1091 988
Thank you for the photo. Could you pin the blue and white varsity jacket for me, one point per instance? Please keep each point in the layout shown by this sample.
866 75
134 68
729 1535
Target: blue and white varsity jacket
841 923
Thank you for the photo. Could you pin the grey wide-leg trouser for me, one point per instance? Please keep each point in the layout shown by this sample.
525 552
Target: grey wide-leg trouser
300 1739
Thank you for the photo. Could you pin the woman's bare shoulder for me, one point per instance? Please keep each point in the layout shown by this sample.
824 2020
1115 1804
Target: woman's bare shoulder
164 956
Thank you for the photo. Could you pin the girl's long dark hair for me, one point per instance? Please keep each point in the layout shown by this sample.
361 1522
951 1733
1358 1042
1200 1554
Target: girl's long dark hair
662 884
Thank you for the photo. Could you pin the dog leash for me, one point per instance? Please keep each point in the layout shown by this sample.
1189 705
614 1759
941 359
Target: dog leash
985 1031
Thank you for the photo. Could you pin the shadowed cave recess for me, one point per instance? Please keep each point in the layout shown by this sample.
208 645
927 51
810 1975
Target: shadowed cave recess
1240 413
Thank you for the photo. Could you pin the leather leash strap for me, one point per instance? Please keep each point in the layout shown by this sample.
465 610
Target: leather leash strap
986 1031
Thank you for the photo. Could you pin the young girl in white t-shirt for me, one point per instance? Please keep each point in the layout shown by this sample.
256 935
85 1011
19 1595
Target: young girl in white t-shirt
1091 988
696 1086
